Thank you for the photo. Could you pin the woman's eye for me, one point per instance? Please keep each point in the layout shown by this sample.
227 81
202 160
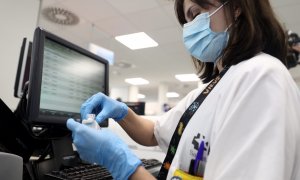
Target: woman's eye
195 12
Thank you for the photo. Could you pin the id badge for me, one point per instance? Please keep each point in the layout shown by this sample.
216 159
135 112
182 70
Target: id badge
181 175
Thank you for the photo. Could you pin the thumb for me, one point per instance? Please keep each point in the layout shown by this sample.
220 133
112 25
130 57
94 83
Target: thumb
72 124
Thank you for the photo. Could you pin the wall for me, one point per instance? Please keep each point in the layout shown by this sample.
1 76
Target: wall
18 19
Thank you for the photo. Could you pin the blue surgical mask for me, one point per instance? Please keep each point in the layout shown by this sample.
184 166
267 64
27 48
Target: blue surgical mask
201 41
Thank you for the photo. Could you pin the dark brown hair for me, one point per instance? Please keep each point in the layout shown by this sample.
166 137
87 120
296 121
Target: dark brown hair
254 30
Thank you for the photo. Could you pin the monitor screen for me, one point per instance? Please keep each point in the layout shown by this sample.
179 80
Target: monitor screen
62 77
22 75
137 107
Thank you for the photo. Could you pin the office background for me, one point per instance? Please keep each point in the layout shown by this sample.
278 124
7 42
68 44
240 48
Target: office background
99 22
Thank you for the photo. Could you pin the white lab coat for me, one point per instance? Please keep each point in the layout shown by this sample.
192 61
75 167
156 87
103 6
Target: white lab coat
250 123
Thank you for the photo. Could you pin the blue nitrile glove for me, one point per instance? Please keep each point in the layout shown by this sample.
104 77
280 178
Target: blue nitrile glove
104 148
104 107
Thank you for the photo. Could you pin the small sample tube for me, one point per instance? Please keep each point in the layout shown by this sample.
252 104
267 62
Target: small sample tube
91 122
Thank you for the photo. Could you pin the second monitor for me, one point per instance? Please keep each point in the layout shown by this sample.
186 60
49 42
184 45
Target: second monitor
137 107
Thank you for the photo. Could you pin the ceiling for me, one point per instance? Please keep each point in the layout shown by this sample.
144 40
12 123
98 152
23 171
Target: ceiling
101 20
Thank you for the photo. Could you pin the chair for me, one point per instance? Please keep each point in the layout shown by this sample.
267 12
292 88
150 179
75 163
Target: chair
11 166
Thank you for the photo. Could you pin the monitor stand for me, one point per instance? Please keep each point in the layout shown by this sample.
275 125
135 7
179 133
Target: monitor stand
61 155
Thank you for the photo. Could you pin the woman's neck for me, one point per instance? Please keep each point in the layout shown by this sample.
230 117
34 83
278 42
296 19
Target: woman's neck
219 66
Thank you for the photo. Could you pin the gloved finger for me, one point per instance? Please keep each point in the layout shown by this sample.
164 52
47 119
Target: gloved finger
87 107
72 124
85 110
91 105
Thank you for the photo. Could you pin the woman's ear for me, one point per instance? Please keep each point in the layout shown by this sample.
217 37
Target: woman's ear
237 12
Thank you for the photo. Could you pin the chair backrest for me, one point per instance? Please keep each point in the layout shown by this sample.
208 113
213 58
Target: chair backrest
11 166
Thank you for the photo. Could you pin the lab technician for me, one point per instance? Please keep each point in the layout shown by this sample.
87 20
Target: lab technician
242 124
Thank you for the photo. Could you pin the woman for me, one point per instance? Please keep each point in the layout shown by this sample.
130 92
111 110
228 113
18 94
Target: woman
244 123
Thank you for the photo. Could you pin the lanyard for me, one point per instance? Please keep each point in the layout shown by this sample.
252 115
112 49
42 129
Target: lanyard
185 118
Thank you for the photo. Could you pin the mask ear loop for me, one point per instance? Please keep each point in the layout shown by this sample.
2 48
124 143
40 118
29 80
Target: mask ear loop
215 64
218 9
228 27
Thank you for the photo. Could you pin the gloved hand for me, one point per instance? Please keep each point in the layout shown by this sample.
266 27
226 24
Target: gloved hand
104 148
104 107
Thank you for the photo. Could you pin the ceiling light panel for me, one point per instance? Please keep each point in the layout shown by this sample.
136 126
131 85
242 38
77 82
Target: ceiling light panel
141 96
187 77
172 95
137 41
137 81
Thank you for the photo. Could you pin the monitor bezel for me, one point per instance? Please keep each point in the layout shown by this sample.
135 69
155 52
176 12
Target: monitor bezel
35 80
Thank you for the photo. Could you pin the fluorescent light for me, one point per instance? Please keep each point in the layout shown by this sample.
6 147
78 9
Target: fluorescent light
137 81
187 77
102 52
172 95
136 40
141 96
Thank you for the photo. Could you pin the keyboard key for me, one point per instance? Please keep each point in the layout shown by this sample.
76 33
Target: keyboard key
95 172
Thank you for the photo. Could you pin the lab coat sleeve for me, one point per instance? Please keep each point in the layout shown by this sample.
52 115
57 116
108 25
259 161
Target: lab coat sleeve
254 136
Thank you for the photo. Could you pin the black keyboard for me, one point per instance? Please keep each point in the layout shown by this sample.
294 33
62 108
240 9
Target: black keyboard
96 172
152 165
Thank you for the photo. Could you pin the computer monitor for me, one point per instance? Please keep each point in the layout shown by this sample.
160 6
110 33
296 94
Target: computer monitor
137 107
22 75
62 77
